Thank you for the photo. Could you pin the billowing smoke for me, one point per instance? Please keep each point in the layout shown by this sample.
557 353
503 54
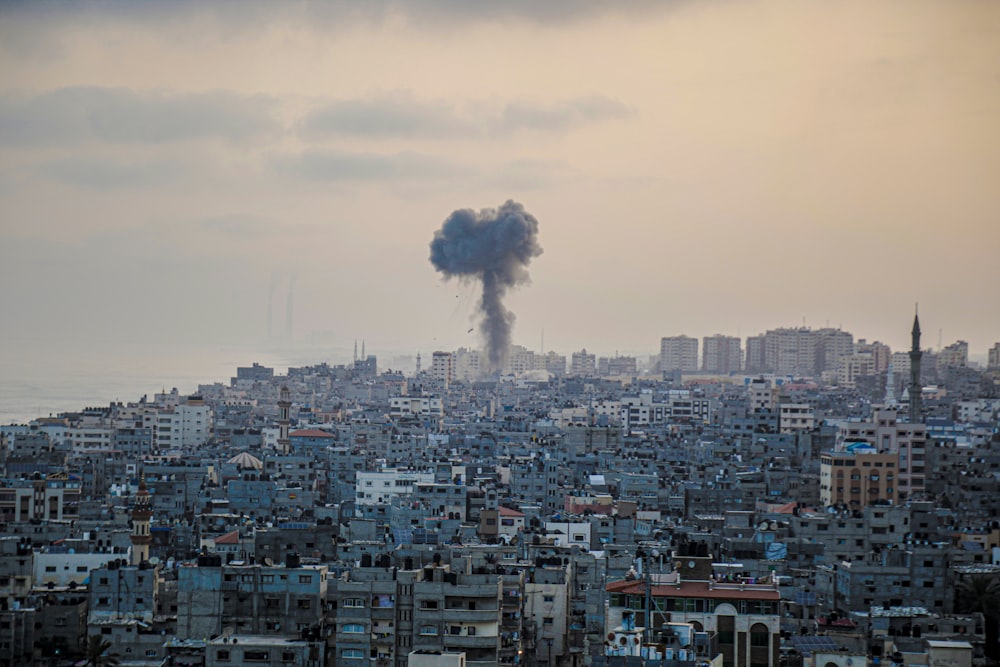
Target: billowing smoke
494 246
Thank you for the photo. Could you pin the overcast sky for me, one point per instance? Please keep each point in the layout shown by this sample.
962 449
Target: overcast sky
695 167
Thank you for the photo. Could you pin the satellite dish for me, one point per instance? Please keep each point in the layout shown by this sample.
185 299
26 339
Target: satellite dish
153 560
774 525
762 525
268 562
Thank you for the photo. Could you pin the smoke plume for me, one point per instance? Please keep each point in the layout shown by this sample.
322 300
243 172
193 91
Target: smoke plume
495 247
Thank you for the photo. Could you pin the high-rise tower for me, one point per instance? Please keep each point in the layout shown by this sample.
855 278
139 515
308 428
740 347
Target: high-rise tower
916 404
284 405
142 512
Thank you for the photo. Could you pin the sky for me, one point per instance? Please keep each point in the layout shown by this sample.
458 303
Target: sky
167 170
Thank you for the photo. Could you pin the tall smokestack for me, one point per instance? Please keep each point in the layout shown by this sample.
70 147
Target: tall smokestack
495 247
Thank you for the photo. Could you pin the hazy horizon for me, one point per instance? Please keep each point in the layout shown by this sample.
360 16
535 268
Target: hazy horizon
171 172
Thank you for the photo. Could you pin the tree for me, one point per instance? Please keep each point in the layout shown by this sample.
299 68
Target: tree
96 649
981 593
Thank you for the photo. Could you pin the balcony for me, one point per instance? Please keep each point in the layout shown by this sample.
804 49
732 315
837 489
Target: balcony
475 641
472 615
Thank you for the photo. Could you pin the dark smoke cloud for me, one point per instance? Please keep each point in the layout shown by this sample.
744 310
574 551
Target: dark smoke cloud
494 246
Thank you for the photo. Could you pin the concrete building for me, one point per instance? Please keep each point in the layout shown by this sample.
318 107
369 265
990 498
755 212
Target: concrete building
858 478
469 364
679 353
385 614
721 354
381 487
831 346
755 361
265 650
52 497
185 426
583 364
443 367
122 610
952 356
906 441
254 599
744 618
760 394
790 351
796 417
993 358
416 406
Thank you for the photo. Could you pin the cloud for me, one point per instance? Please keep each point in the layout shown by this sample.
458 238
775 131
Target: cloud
106 174
322 165
398 115
74 115
402 116
560 116
239 224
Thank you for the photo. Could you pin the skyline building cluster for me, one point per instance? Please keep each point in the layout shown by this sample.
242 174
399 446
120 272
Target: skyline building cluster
571 512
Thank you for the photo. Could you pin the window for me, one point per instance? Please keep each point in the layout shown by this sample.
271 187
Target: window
428 630
304 603
352 654
222 655
305 578
471 631
547 620
354 602
256 656
549 598
288 656
354 628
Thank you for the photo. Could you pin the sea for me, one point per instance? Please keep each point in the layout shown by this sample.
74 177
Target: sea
39 379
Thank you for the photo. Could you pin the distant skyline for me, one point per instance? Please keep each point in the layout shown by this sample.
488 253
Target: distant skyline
695 168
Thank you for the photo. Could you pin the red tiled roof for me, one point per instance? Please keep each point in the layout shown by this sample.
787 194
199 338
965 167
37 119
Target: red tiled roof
310 433
506 511
695 589
232 537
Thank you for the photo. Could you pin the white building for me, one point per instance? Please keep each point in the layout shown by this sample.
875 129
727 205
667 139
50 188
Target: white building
185 426
59 569
408 406
793 417
374 488
566 534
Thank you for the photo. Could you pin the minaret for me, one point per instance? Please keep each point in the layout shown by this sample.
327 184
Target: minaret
142 512
417 374
284 405
916 404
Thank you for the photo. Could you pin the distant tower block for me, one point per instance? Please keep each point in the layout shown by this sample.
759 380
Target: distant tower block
141 514
284 406
916 398
418 364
